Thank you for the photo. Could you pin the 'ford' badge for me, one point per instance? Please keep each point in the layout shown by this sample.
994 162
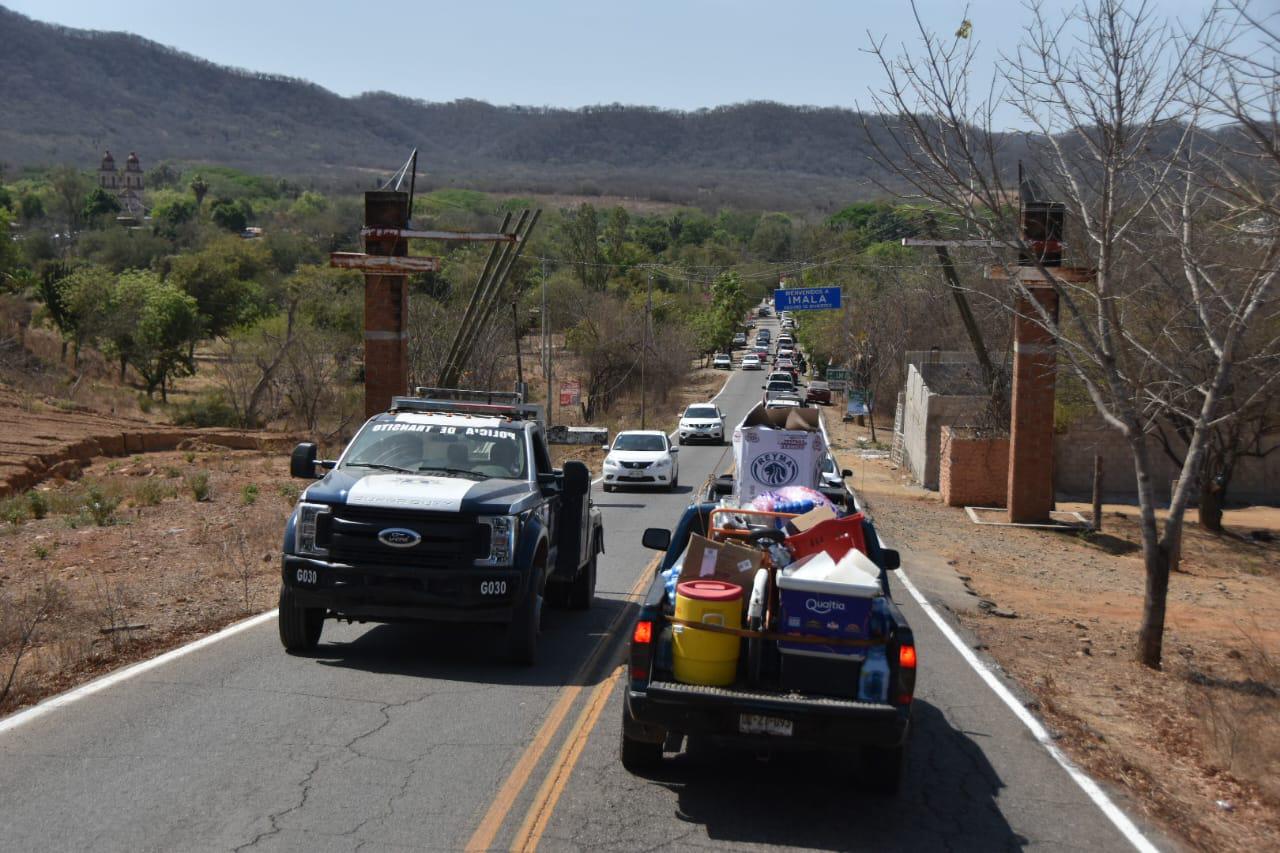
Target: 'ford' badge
398 537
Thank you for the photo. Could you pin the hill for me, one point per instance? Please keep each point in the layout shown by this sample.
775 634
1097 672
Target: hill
70 93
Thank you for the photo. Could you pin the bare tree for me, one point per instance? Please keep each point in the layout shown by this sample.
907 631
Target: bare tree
1117 102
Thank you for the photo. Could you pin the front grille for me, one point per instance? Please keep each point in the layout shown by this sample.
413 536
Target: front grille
448 540
635 465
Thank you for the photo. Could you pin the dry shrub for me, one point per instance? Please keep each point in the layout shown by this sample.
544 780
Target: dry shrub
1240 719
23 623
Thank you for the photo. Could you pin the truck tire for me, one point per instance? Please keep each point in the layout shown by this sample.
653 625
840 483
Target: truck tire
582 591
300 627
639 756
883 768
522 632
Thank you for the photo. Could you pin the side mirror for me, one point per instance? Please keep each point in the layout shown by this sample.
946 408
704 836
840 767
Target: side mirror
675 450
890 559
656 538
576 479
302 462
605 448
549 483
845 472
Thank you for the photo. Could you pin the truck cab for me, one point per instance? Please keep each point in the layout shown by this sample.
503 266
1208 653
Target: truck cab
444 508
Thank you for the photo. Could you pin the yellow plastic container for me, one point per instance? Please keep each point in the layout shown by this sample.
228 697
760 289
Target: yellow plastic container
704 657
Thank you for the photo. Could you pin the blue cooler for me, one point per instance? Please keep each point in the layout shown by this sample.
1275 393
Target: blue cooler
820 597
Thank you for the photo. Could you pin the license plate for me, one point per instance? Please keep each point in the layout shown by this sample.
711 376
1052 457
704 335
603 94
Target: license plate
759 724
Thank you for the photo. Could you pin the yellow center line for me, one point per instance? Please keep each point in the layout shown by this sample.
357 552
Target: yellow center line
496 815
544 802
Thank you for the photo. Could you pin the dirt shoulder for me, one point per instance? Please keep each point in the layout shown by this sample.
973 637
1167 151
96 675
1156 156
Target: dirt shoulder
1197 744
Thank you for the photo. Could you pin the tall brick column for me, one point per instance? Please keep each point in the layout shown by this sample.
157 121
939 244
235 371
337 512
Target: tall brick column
1031 427
386 307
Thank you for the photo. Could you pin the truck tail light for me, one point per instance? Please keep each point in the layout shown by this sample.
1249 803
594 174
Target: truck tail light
906 674
641 650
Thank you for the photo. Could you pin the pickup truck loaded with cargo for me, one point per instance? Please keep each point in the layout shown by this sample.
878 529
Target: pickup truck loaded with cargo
769 625
444 508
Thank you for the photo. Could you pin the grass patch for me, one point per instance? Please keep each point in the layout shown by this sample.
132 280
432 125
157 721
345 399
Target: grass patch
198 485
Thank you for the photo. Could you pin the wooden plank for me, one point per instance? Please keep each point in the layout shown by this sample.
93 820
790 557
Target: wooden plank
384 264
1033 275
462 236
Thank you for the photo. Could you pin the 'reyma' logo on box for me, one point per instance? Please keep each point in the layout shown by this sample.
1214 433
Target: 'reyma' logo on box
774 469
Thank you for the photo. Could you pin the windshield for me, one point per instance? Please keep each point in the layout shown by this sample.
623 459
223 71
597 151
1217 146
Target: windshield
419 448
701 412
636 441
779 385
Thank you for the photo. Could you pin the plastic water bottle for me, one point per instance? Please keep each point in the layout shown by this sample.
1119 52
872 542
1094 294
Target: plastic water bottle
759 592
873 681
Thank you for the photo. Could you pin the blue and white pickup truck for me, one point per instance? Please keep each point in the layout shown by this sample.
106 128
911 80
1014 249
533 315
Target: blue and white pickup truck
440 509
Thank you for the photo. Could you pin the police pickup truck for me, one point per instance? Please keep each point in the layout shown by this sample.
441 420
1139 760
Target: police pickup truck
444 508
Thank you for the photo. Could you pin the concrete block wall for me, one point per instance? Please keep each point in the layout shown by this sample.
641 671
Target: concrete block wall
924 416
973 470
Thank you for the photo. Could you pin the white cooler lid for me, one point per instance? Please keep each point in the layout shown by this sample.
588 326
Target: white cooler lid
855 575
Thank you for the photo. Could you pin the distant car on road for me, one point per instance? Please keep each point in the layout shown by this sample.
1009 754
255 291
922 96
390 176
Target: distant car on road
723 361
762 351
785 402
779 388
782 375
751 361
641 458
818 392
702 422
740 339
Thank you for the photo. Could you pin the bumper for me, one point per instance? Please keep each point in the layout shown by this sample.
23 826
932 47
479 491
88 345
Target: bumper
646 478
818 723
716 435
392 594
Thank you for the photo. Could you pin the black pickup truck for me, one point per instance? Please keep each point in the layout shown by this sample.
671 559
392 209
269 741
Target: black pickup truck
757 712
440 510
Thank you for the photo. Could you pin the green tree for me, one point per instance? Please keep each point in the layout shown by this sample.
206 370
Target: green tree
167 329
225 278
98 204
172 213
229 215
199 188
772 237
581 233
10 255
86 299
30 207
70 186
6 198
128 301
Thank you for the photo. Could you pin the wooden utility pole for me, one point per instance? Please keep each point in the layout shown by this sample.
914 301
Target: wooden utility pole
644 349
546 340
1097 493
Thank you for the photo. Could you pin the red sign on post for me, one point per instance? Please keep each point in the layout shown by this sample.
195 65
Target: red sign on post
570 393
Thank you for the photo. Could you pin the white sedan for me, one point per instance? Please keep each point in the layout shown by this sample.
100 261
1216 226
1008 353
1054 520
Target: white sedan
751 361
702 422
641 458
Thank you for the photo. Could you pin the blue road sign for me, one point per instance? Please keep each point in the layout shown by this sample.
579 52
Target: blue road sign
807 299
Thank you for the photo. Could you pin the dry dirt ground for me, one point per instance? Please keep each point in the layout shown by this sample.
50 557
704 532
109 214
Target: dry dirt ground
1198 743
141 554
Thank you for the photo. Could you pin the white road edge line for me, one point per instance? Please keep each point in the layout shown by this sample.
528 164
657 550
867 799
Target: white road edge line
111 679
1121 821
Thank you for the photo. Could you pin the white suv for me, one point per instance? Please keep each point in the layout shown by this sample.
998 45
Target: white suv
702 422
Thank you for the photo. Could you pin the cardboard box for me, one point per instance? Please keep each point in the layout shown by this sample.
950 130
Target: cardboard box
724 561
773 448
810 519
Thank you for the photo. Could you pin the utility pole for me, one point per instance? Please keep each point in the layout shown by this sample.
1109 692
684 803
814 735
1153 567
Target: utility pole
546 341
644 348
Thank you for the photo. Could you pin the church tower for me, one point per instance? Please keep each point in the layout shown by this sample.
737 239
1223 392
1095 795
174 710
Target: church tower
133 173
108 177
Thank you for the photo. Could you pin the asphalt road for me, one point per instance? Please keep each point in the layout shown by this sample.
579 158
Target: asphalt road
396 737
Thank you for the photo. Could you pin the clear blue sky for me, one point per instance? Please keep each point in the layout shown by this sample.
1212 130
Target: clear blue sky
682 54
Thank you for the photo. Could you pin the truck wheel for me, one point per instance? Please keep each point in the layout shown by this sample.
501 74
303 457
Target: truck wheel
639 756
522 632
583 589
882 768
300 627
675 482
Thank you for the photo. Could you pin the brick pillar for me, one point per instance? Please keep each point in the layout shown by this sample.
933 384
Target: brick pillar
1031 424
386 307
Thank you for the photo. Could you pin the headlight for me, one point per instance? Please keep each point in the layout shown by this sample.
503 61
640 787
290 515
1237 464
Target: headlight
305 531
661 463
502 539
609 463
